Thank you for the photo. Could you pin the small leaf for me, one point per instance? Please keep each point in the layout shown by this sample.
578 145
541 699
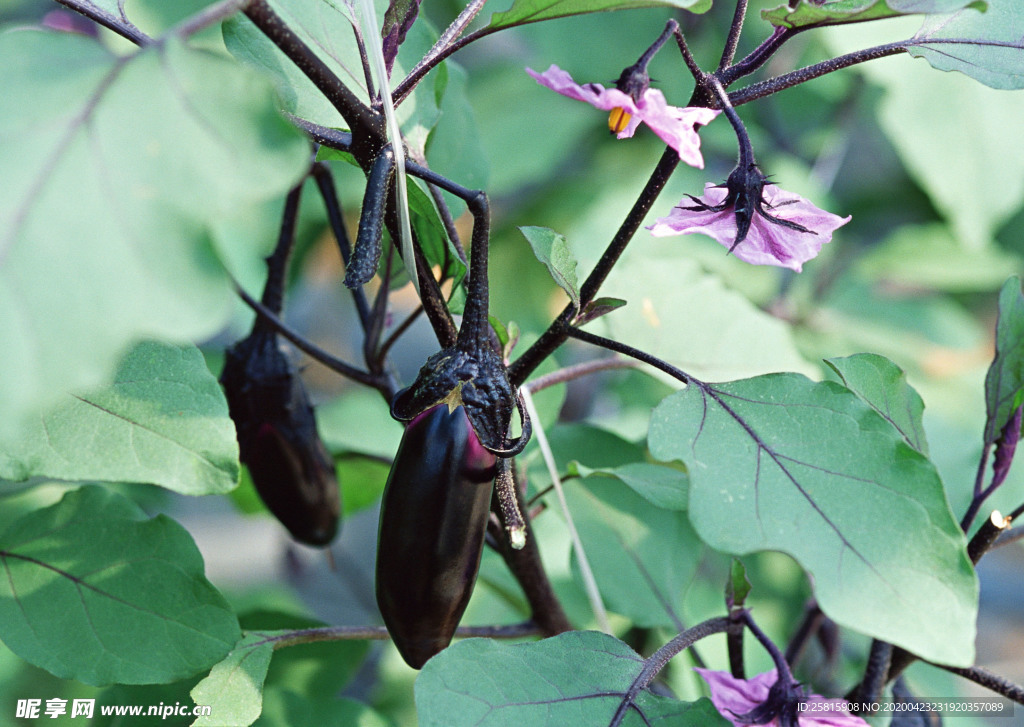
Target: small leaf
1004 382
552 250
738 587
576 678
162 421
94 591
810 14
532 11
597 308
400 16
234 687
988 47
626 539
883 386
664 487
779 462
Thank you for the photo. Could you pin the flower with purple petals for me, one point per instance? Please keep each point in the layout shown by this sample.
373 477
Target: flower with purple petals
766 700
631 102
760 223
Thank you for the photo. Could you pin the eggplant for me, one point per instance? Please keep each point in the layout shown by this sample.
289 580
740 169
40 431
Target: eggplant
433 518
278 439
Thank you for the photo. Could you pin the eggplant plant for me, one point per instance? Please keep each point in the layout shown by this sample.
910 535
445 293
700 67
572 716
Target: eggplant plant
538 468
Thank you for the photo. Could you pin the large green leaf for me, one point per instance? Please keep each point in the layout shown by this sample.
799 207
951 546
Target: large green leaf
531 11
988 47
883 386
626 540
94 591
234 687
162 421
779 462
1004 382
326 27
576 678
689 318
810 14
114 168
988 186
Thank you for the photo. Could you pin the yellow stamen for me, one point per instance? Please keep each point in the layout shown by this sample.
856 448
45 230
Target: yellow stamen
618 120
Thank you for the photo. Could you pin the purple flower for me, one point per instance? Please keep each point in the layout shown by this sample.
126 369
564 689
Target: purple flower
674 125
760 223
760 700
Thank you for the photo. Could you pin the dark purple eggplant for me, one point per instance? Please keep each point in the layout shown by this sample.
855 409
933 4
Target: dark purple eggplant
432 523
278 440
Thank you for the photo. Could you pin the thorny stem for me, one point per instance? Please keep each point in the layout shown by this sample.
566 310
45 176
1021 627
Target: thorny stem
526 566
332 362
430 62
759 56
277 261
636 353
688 59
659 659
746 159
371 136
987 679
986 536
576 371
788 80
812 619
729 52
778 659
876 673
558 331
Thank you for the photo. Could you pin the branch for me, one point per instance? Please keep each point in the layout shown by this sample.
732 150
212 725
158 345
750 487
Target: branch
120 25
662 656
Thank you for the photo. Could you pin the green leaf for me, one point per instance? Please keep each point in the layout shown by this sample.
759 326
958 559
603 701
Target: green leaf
234 688
688 317
1004 382
883 386
779 462
327 30
986 46
664 487
286 708
626 539
162 421
808 14
738 587
597 308
433 237
576 678
94 591
552 250
928 256
114 169
988 186
532 11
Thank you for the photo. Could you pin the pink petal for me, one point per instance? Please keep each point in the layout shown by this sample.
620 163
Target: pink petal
766 243
675 126
594 94
732 696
